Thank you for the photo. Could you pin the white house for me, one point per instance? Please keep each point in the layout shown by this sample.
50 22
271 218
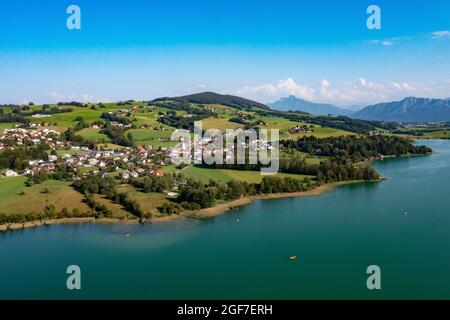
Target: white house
11 173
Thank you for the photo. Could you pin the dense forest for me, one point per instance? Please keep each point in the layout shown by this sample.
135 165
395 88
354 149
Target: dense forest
214 98
355 148
196 195
105 186
17 158
340 122
117 136
180 122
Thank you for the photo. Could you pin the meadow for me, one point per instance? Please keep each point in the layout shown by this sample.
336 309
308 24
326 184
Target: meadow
16 197
94 135
225 175
149 202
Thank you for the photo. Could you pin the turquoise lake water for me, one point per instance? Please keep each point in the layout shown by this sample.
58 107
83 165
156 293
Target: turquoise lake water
335 236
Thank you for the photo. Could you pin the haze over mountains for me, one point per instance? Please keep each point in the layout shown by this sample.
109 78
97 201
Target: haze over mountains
297 104
408 110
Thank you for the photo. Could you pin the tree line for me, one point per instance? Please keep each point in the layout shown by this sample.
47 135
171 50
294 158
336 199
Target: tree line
106 186
195 195
355 148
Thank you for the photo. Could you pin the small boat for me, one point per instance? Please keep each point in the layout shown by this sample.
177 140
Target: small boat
293 258
404 212
237 220
127 235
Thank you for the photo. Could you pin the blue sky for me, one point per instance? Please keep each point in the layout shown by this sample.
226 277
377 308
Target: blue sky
317 50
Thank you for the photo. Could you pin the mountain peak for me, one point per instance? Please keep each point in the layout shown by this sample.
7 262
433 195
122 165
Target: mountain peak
410 109
292 102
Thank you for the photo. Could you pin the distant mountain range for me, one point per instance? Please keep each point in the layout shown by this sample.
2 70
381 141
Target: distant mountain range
297 104
215 98
407 110
410 109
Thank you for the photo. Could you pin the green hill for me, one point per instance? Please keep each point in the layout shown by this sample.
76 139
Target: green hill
215 98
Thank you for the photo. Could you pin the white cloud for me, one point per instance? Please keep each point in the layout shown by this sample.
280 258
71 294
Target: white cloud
81 97
402 86
370 84
361 91
386 42
282 88
330 94
444 34
440 34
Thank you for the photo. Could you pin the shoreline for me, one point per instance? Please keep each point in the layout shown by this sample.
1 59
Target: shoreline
105 221
214 211
227 206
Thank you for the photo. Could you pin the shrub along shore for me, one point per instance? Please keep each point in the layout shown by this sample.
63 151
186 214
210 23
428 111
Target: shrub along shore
217 209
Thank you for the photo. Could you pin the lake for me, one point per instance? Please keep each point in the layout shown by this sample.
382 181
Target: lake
244 254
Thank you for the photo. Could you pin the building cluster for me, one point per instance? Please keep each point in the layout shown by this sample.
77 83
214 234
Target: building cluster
197 149
19 136
130 162
306 128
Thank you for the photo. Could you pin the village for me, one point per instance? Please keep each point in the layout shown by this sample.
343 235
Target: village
129 162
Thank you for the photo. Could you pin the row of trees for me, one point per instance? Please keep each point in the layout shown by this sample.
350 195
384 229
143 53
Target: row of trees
196 195
355 148
62 172
13 118
115 118
17 158
94 184
117 136
154 183
180 122
339 122
50 212
70 135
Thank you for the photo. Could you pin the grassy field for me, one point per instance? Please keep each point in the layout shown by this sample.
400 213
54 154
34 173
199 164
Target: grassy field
219 124
310 159
149 202
152 137
66 120
10 187
442 134
148 134
7 125
150 117
204 174
61 152
284 125
117 209
37 197
108 146
94 135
